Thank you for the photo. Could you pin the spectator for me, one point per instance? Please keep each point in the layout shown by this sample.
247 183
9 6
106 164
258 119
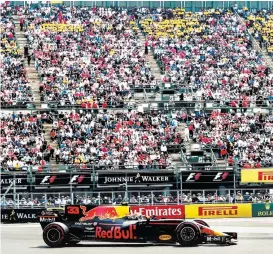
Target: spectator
97 67
15 89
116 140
28 59
211 52
22 141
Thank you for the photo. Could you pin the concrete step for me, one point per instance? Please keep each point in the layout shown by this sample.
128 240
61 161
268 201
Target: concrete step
32 70
47 128
20 36
32 74
175 156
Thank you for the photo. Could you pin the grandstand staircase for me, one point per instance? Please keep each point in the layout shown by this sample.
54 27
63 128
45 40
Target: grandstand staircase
176 157
267 58
257 47
47 130
34 80
152 62
32 73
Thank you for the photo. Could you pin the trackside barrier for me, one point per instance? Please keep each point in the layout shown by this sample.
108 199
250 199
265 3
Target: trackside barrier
211 211
20 215
262 210
202 211
160 211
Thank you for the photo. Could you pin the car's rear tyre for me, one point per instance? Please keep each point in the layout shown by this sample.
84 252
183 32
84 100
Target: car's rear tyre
202 223
188 234
55 234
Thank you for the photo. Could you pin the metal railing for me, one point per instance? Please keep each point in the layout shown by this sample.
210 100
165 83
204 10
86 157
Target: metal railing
87 167
154 197
178 104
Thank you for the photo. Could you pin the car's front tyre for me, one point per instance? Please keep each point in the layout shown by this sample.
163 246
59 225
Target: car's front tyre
55 234
188 234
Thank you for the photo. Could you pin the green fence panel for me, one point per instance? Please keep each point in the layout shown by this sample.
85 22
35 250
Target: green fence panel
262 210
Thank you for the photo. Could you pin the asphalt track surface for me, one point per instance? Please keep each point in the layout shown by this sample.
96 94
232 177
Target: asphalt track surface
255 236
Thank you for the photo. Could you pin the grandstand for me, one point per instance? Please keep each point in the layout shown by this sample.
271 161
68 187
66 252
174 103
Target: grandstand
152 102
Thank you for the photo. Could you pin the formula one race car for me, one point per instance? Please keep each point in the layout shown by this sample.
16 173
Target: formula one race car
114 223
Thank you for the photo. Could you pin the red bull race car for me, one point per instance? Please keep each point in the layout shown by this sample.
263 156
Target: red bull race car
115 223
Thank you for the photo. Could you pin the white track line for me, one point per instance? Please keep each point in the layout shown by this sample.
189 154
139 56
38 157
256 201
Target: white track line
21 225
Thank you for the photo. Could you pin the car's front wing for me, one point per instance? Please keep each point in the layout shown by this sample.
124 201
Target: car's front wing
212 236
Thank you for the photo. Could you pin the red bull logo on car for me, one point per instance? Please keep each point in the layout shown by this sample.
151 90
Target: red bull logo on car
104 212
116 232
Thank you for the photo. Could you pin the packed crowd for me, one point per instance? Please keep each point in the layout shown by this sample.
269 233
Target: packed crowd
22 141
15 88
99 64
62 200
116 139
210 52
245 138
260 24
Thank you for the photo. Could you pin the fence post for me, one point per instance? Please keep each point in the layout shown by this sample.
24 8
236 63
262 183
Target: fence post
229 195
234 179
93 177
14 187
72 198
70 182
31 196
113 197
181 184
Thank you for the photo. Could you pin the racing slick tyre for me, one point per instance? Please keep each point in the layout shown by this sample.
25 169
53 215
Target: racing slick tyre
188 234
202 223
55 234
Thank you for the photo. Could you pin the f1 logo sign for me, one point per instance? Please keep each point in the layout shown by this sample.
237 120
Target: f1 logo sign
76 179
193 177
220 176
73 179
48 180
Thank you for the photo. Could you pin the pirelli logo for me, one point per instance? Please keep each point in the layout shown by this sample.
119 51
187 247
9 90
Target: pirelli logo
265 175
231 210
